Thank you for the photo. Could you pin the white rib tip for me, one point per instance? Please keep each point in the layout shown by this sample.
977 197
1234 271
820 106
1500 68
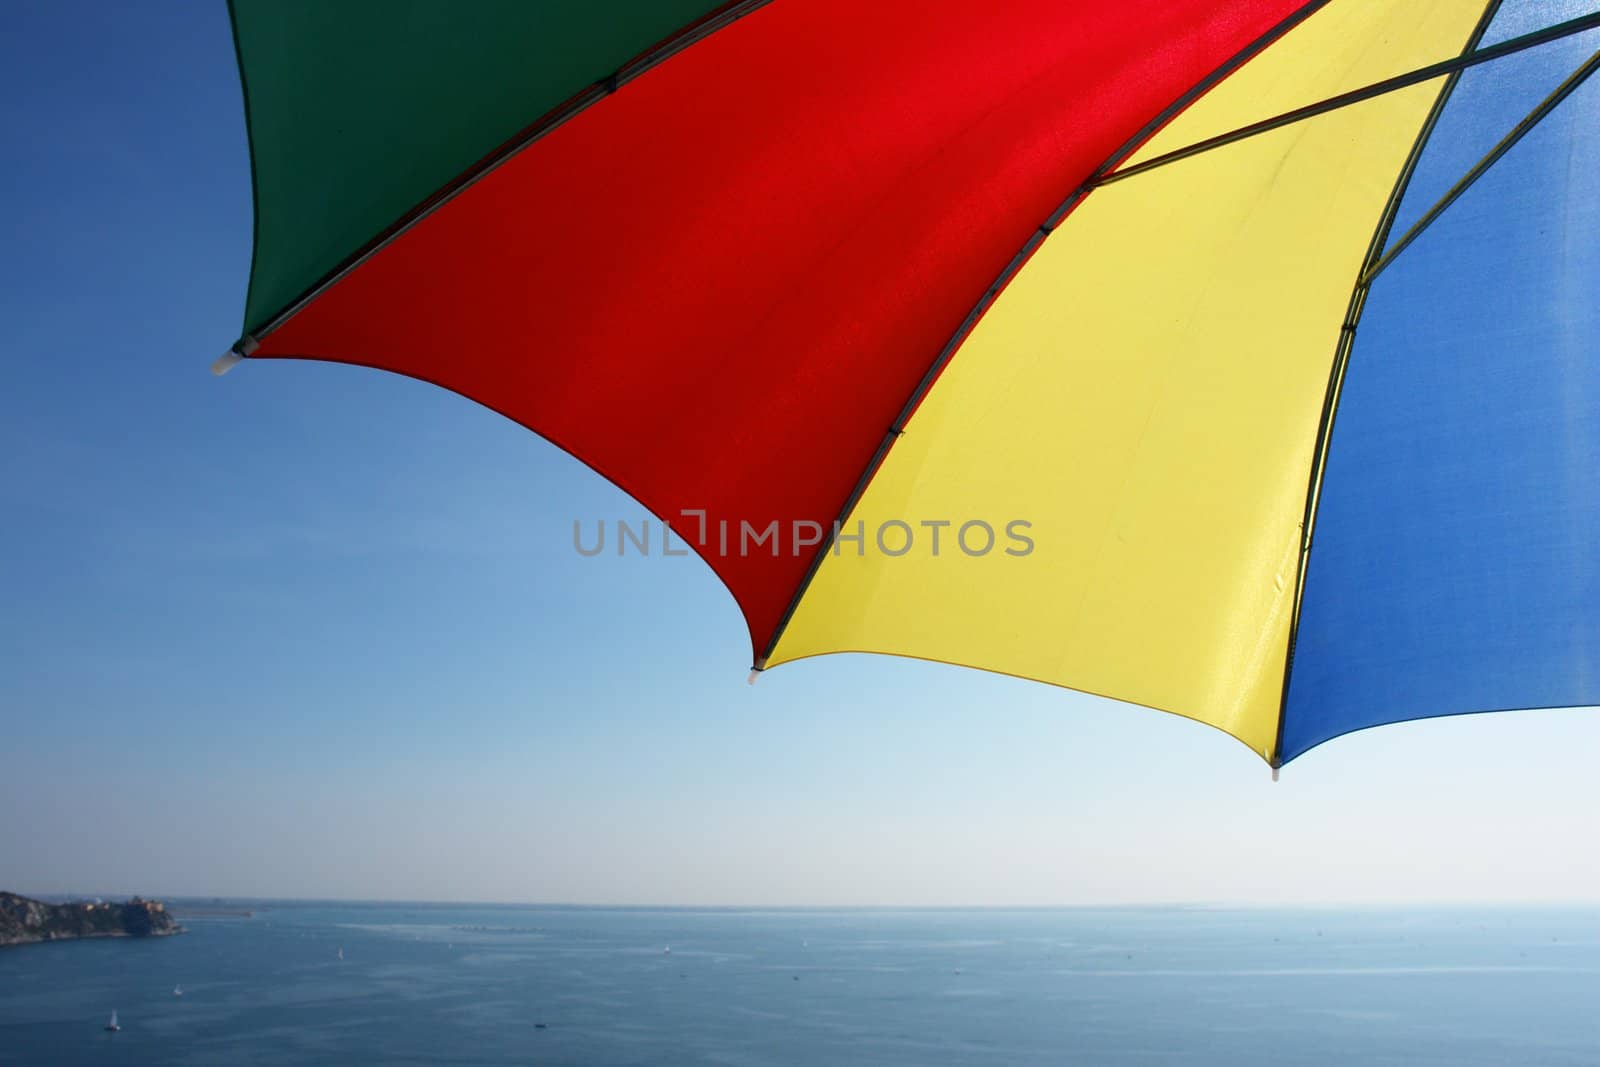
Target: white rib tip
225 362
1274 774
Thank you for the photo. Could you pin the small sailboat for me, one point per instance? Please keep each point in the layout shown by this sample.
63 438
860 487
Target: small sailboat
341 952
177 990
113 1025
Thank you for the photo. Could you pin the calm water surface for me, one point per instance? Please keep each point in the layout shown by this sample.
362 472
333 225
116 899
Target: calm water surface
423 983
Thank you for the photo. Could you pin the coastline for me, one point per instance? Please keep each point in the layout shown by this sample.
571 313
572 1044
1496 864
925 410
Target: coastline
25 921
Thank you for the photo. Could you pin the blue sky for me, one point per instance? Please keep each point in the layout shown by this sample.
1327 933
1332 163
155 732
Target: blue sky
316 631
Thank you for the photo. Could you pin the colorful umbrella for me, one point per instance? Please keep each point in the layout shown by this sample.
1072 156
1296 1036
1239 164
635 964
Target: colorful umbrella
1018 334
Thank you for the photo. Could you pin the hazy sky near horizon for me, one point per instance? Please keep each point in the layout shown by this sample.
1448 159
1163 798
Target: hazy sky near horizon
316 631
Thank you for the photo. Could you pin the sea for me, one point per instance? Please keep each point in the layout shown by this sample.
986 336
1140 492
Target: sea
603 987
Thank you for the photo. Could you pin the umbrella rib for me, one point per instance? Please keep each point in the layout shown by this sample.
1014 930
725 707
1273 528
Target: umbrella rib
570 108
1520 130
1376 265
1341 360
1355 96
1035 239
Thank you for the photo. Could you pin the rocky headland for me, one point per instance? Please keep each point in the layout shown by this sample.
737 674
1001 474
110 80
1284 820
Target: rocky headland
24 920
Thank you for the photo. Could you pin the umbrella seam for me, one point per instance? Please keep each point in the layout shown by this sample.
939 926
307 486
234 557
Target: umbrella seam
1341 358
947 353
1543 110
507 150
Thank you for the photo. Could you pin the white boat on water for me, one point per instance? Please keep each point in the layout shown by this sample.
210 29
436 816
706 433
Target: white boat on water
113 1025
341 953
177 990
